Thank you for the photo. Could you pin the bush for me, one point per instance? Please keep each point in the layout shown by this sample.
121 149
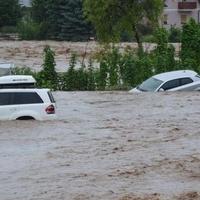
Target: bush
23 71
91 82
70 76
29 30
8 29
148 38
174 35
48 76
82 79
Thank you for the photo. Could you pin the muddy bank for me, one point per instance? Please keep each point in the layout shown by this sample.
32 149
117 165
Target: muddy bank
30 53
105 145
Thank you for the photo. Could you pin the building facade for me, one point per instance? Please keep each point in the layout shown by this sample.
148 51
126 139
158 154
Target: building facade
178 12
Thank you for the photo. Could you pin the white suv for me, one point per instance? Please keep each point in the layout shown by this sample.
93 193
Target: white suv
17 81
24 104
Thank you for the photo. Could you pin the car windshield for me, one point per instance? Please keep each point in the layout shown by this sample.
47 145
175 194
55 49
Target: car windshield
150 85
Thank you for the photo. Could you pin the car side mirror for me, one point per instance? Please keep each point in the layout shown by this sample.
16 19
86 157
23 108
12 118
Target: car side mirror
161 90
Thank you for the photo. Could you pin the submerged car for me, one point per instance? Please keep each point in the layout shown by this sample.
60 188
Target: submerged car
26 104
182 80
17 81
21 100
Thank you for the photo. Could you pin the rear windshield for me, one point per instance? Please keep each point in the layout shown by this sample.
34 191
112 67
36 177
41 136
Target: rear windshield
18 98
51 97
19 85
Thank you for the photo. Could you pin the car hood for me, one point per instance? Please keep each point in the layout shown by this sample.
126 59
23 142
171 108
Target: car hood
135 90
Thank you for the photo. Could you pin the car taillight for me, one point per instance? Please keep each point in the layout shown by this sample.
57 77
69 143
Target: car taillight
50 109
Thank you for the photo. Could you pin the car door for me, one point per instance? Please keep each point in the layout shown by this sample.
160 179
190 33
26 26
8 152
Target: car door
170 84
28 103
5 105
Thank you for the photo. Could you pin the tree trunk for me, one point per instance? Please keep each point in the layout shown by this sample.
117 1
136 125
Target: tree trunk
139 42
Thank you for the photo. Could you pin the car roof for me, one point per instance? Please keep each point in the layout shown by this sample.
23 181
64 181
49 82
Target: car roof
15 79
25 90
6 65
175 75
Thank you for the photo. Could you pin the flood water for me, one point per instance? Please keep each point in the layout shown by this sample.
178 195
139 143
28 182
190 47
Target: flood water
105 145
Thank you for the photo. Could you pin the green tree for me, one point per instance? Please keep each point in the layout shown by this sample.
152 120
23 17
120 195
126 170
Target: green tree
91 76
62 19
72 23
134 69
39 14
190 50
82 79
111 59
10 12
111 18
102 76
48 76
164 54
70 77
28 29
39 10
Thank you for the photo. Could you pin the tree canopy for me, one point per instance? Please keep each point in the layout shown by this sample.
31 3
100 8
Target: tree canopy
112 17
10 12
63 19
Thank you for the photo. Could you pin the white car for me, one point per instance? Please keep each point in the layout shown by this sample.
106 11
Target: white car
17 81
6 69
183 80
25 104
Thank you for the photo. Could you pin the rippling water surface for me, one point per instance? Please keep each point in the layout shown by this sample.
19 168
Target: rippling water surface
105 145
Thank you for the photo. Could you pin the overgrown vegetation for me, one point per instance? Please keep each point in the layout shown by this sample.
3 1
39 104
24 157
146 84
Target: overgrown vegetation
113 21
122 69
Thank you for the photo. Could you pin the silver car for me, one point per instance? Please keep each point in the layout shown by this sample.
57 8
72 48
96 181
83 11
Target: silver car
182 80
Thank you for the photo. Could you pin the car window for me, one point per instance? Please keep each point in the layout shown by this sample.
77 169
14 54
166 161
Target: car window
26 98
197 76
5 98
185 81
171 84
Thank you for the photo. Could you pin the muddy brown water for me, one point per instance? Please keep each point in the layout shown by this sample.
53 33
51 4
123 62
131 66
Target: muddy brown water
105 145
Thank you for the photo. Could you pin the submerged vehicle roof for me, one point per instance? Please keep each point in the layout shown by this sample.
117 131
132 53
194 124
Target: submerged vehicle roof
6 65
6 69
175 75
16 79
